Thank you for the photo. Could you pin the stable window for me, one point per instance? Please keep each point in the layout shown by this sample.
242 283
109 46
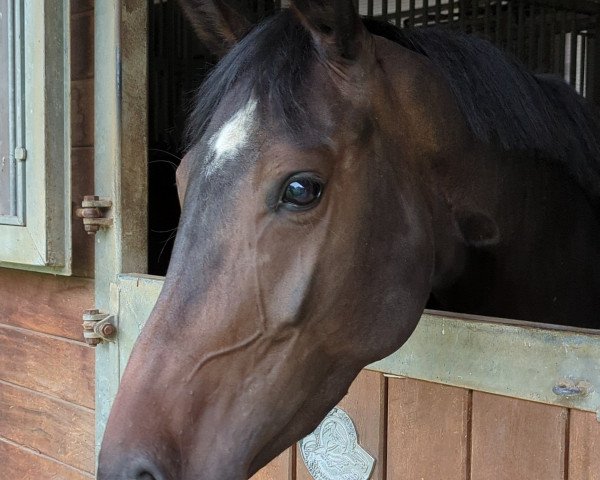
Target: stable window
34 135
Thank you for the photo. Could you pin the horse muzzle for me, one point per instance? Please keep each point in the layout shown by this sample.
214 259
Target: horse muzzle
139 468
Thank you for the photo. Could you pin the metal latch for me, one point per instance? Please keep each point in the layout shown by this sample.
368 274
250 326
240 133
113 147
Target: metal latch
93 212
98 327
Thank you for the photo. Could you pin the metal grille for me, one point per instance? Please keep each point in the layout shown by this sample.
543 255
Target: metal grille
548 37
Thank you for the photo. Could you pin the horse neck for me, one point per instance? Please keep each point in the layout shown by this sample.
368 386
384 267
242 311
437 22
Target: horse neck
514 237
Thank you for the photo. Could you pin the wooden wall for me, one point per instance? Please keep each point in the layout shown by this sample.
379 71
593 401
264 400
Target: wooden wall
424 431
46 371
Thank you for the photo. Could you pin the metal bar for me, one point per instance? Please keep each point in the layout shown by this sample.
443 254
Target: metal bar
486 19
384 9
531 37
370 8
438 11
562 19
411 13
474 21
573 50
521 31
498 32
451 13
542 65
582 61
425 12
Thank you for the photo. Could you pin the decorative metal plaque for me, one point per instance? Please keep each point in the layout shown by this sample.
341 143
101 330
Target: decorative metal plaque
332 451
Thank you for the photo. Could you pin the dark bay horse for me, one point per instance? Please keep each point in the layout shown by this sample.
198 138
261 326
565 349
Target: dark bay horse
341 174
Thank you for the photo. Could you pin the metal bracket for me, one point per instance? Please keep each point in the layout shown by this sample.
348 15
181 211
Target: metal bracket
98 327
93 212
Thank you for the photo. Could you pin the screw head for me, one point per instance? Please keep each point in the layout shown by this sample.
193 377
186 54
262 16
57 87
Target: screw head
91 311
108 330
90 198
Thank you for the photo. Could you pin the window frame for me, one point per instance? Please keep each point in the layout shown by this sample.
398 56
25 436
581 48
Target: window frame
39 236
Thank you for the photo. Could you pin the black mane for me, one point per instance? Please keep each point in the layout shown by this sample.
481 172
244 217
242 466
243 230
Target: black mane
502 102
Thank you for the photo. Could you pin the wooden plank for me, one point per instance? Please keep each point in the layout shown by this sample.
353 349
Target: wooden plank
82 183
505 357
513 438
82 46
584 446
44 303
50 365
19 463
428 431
365 403
279 469
54 428
82 113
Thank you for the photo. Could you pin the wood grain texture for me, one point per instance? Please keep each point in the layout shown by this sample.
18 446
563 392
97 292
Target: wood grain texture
44 303
54 428
516 439
17 463
428 431
80 6
50 365
82 113
82 183
278 469
365 403
584 446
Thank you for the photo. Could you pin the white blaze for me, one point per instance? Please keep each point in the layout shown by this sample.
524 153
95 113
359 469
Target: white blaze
231 138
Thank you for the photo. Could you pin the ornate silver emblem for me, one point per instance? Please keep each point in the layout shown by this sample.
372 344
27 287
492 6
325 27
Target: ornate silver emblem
332 451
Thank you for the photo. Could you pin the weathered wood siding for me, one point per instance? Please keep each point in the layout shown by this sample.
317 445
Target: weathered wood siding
424 431
46 371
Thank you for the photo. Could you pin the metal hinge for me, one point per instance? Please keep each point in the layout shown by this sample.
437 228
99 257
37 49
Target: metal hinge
93 212
98 327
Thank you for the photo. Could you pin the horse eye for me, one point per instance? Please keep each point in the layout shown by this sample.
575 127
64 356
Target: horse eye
301 192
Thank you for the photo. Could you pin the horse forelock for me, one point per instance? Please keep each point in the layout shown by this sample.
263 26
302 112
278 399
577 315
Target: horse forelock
270 66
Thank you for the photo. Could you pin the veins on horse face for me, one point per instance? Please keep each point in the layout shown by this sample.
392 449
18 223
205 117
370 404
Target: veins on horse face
231 138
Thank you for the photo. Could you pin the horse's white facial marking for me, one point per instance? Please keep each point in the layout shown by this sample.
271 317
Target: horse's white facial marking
232 137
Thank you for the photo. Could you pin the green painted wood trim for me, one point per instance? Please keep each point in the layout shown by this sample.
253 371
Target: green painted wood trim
120 162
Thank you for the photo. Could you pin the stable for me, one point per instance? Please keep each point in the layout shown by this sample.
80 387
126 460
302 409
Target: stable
94 103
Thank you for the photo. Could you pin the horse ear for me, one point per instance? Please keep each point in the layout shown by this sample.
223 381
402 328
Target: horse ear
334 24
218 23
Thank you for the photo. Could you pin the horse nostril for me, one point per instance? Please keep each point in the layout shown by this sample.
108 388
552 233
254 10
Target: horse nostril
145 476
147 471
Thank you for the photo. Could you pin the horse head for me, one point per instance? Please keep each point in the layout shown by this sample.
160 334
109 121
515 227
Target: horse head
305 247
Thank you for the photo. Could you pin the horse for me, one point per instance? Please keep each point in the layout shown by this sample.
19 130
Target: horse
342 173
